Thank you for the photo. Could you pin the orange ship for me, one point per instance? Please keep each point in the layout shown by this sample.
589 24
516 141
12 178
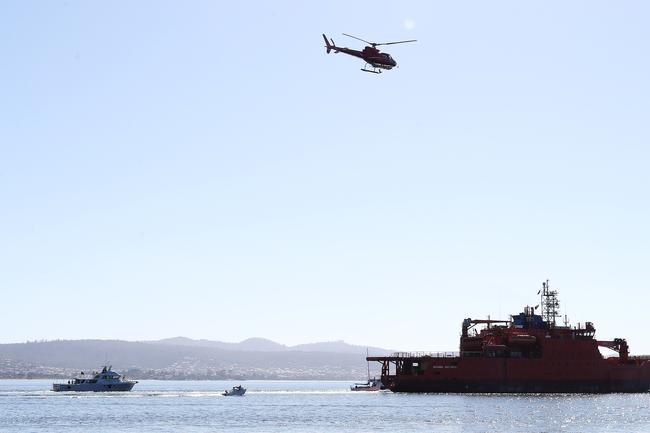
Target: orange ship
530 353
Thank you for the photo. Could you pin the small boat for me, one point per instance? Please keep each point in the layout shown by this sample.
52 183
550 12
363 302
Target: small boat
106 380
236 390
371 385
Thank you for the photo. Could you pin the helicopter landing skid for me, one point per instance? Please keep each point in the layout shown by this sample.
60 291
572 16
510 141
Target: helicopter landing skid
372 71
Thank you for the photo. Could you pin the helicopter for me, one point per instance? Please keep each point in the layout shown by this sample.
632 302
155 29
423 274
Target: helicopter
373 57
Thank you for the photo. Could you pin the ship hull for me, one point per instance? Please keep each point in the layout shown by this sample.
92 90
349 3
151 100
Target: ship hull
494 375
490 386
93 387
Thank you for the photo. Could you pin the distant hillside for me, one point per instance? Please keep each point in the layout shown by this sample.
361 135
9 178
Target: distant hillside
261 344
340 347
264 345
251 344
182 357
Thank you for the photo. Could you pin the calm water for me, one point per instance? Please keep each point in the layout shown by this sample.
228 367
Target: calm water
288 406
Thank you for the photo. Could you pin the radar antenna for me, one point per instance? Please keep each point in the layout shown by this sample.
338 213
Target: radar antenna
550 304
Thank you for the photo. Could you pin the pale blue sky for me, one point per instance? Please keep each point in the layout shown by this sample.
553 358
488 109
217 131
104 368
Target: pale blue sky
205 169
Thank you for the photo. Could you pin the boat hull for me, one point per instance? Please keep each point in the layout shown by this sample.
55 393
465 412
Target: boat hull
491 386
93 387
365 388
494 375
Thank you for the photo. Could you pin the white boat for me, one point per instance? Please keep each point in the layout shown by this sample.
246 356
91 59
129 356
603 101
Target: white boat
103 381
373 384
236 390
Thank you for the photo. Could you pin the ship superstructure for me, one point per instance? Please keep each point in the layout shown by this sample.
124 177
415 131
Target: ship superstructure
529 353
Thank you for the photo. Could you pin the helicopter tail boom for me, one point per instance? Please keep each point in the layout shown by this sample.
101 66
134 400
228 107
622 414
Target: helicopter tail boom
329 46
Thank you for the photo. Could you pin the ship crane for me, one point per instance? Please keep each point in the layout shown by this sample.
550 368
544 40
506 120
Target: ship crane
618 345
470 323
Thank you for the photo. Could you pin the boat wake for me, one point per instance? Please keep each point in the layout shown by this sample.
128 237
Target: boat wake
162 394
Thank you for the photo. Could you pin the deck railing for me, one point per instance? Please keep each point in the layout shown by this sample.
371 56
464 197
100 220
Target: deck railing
423 354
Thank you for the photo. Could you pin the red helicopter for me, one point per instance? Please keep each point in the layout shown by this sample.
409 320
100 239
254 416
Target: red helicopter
373 57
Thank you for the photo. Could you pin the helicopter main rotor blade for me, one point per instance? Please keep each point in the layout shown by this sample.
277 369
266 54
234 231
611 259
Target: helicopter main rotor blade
359 39
398 42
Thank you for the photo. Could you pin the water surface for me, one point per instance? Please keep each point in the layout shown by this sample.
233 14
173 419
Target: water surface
308 406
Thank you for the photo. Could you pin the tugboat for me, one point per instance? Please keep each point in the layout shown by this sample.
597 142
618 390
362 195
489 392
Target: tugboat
236 390
530 353
104 381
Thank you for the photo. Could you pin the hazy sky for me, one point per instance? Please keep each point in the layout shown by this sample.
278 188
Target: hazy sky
205 169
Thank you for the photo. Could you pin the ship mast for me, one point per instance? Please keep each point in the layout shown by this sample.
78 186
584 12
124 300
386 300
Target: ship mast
368 365
550 304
